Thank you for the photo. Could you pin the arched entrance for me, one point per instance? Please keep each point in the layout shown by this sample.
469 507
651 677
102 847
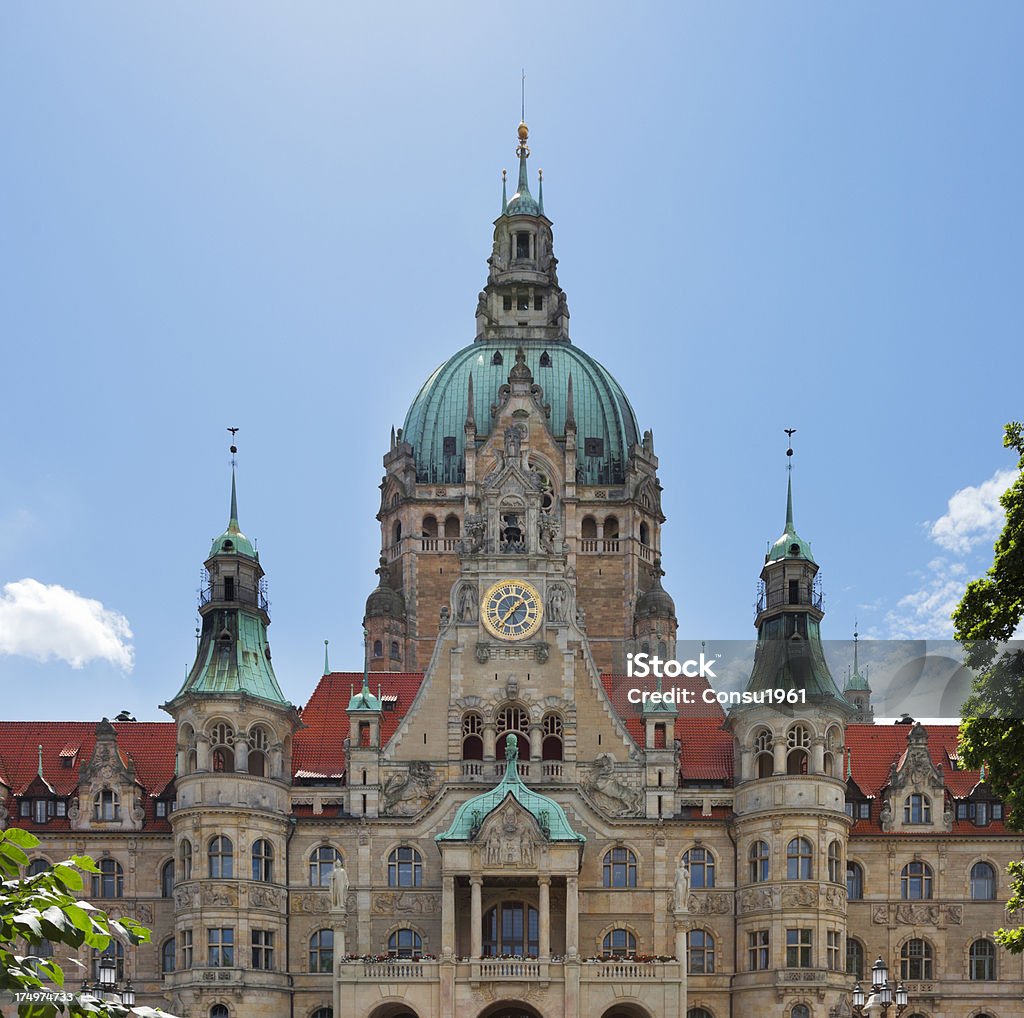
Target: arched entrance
395 1009
510 1009
626 1011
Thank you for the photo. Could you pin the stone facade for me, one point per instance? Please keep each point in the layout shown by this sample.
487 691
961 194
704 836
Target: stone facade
717 866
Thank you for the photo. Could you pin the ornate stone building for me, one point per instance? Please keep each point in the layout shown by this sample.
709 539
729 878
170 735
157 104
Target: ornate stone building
480 823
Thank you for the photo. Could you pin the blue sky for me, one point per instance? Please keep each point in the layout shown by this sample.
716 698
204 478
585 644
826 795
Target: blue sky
277 217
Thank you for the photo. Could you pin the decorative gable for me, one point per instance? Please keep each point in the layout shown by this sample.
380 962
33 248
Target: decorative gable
915 797
109 793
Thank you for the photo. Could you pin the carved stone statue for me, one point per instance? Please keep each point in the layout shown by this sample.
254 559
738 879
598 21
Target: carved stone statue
465 609
557 603
513 443
406 794
681 887
339 887
612 794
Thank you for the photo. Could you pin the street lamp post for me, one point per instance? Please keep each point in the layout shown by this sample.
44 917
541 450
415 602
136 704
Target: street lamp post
882 996
106 987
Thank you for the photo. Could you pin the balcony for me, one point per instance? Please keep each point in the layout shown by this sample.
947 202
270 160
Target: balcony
440 544
472 769
599 546
508 968
626 971
390 970
253 596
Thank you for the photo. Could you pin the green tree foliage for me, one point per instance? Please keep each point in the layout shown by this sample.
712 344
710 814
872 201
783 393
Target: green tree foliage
46 907
992 732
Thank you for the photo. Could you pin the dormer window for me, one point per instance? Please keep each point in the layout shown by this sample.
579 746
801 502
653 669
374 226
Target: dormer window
107 806
917 809
228 545
545 357
497 358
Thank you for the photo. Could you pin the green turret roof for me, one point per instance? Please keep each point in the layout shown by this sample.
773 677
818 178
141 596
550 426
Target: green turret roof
233 541
856 680
364 701
235 662
790 544
522 203
549 815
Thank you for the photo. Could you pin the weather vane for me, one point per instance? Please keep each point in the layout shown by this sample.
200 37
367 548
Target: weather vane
790 432
234 448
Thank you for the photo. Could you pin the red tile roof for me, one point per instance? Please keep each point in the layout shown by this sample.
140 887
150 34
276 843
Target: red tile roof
319 748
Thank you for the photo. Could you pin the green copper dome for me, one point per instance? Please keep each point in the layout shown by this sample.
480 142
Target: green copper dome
600 407
549 815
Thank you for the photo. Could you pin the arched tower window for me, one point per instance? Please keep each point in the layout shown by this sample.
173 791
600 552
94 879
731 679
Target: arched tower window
429 527
701 864
514 719
798 741
916 881
645 534
222 741
854 958
472 740
799 860
262 860
405 867
221 858
760 861
185 860
321 862
321 951
618 943
619 868
167 955
396 532
764 753
167 879
700 952
378 648
611 529
854 881
497 358
452 527
259 744
916 960
551 747
588 528
983 882
834 863
983 960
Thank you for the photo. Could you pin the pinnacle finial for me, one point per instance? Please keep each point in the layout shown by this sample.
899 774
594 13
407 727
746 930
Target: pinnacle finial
540 191
504 191
856 638
327 667
40 759
790 432
470 411
570 410
233 519
366 660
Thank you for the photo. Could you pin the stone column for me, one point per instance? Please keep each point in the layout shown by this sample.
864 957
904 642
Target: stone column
476 918
572 917
817 761
242 756
448 917
544 883
490 738
535 742
780 757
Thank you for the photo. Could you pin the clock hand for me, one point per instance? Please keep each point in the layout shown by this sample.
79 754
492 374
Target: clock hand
512 611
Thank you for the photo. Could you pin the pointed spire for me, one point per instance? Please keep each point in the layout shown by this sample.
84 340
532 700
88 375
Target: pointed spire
504 191
470 410
41 761
789 505
570 410
366 661
849 763
540 191
856 637
327 666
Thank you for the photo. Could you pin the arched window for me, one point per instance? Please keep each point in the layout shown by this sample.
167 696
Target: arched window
321 951
619 868
854 881
221 856
262 860
835 863
545 360
800 1011
109 882
321 862
405 867
551 747
472 740
429 528
167 879
167 953
611 528
983 882
185 860
699 1012
759 861
259 743
916 960
396 651
220 1011
378 648
106 805
798 741
916 881
700 952
37 866
396 532
405 944
323 1012
854 958
983 960
512 927
497 358
701 864
222 741
799 860
514 718
618 944
764 753
645 535
452 527
115 950
588 528
917 809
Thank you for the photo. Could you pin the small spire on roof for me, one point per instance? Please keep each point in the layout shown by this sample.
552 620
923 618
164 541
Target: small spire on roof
366 660
327 667
41 761
540 190
849 763
570 412
790 432
504 191
470 411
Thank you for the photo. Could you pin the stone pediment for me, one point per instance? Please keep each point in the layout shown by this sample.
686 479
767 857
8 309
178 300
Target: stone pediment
510 837
511 479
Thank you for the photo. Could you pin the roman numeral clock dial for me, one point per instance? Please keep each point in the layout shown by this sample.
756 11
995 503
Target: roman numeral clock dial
512 610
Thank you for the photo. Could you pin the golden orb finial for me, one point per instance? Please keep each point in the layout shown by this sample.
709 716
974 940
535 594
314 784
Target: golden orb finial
524 131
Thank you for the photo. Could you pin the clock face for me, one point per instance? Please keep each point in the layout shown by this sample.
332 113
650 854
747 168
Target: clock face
512 610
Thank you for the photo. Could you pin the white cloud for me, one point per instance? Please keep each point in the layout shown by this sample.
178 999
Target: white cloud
925 614
47 621
973 515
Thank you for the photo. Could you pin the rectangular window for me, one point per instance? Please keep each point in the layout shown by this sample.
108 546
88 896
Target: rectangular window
220 945
39 815
506 302
25 809
794 591
593 447
161 809
263 949
522 245
523 300
997 811
186 949
757 950
798 949
62 808
538 302
448 445
849 809
865 810
961 811
229 588
981 814
833 950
